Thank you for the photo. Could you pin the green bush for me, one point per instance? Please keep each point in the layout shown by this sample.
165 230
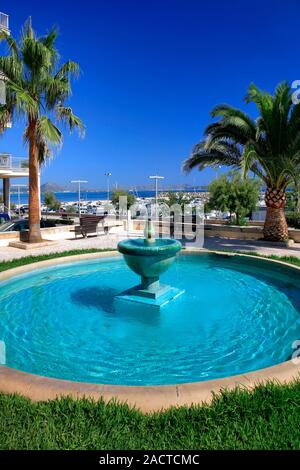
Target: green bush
115 199
242 221
64 221
51 202
293 219
234 194
47 223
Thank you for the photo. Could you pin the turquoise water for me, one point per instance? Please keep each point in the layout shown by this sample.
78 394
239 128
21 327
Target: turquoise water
236 315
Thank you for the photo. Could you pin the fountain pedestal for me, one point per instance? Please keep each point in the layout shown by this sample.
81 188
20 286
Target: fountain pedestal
149 258
151 288
156 298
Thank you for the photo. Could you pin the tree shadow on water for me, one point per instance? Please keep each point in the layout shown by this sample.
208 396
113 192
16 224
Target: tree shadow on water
100 297
104 299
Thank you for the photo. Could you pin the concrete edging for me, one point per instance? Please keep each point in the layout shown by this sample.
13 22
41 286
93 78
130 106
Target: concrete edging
145 398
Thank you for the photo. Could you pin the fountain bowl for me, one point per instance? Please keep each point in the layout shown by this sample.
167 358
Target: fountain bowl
149 259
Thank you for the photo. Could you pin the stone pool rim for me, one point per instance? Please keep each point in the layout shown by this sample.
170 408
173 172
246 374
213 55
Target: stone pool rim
145 398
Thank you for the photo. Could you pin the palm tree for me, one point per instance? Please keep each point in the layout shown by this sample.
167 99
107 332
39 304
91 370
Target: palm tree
36 91
268 146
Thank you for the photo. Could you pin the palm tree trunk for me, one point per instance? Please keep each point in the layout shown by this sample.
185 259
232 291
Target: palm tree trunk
275 227
34 200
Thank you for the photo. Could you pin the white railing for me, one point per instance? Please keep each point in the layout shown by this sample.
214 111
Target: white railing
19 163
4 21
8 162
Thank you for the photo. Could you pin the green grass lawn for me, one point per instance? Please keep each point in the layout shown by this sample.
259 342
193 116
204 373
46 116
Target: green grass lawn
14 263
286 259
266 418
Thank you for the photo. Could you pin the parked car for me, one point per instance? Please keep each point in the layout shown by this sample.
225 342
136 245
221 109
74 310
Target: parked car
22 224
98 210
24 209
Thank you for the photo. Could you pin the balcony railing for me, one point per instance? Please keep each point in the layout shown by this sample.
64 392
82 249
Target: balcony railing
4 22
8 162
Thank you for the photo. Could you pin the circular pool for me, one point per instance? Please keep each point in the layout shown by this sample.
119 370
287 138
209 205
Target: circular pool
237 314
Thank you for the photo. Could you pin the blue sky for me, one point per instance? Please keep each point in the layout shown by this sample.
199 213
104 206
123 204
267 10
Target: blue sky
151 72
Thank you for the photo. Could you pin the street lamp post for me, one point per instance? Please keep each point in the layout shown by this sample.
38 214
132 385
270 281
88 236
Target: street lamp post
156 178
79 183
107 176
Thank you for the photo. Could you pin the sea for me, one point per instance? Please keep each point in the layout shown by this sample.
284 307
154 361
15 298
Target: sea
87 195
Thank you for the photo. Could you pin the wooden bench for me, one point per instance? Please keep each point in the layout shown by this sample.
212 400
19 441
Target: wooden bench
89 225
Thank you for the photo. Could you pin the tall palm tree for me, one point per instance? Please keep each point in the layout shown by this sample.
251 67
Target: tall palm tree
268 146
37 88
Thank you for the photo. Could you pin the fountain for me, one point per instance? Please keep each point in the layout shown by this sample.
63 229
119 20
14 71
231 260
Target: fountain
149 257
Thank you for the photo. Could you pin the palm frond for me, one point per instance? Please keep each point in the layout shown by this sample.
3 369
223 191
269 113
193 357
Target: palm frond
225 110
23 99
5 117
56 91
222 153
44 152
250 162
11 68
68 69
49 42
12 44
48 132
49 39
46 135
294 122
36 57
65 115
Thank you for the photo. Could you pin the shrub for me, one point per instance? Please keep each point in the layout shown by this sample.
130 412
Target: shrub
51 202
293 219
121 193
242 221
234 194
64 221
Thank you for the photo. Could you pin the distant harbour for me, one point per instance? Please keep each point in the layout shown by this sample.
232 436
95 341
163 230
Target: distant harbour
91 196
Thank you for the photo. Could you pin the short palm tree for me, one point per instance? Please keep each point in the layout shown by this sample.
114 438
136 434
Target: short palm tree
36 91
268 146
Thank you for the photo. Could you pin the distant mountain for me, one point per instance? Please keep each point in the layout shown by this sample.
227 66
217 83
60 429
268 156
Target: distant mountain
57 188
51 187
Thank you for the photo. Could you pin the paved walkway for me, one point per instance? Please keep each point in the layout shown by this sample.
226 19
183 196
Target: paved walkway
102 241
111 241
263 248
